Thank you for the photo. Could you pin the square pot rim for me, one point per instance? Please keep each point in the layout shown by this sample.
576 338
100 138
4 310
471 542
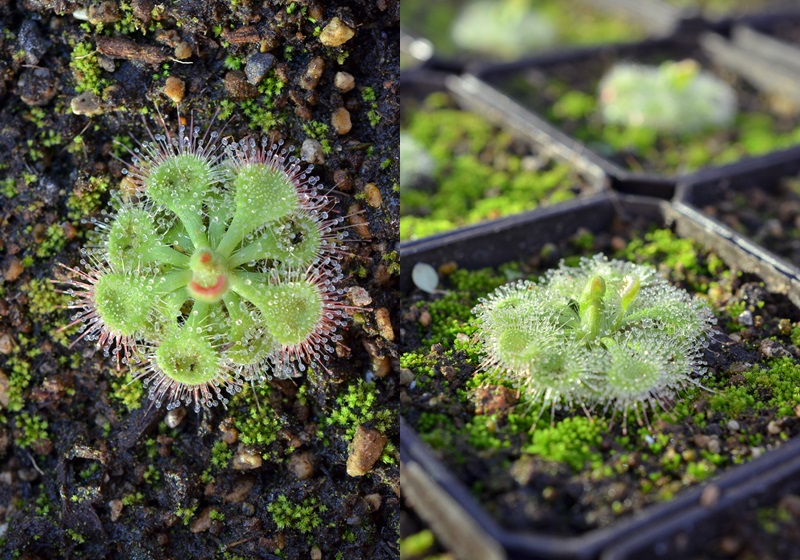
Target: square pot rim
477 82
738 478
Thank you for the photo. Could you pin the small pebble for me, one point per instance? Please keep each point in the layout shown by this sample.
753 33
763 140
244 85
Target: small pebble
238 87
37 86
257 66
4 388
730 545
87 104
359 296
228 432
384 320
202 522
710 495
425 277
311 151
174 417
13 269
365 450
745 318
104 12
240 490
174 88
313 73
336 33
359 223
425 318
343 180
407 376
246 459
373 195
301 465
344 81
773 428
341 121
733 425
31 42
6 343
316 553
183 51
115 507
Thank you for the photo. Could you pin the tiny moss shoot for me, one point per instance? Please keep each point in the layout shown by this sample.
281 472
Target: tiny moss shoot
223 268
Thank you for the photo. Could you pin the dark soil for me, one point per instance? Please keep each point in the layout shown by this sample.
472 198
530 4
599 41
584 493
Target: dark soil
761 126
89 470
480 434
768 214
771 531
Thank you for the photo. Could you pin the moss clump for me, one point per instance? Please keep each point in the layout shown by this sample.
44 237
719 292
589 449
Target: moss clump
302 516
778 380
32 427
359 406
573 441
478 172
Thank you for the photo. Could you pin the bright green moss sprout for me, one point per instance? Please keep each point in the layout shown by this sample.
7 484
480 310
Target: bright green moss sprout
606 334
223 267
675 97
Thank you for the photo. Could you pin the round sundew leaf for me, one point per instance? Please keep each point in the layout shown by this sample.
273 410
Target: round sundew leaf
132 235
292 310
188 358
180 182
124 302
263 194
250 340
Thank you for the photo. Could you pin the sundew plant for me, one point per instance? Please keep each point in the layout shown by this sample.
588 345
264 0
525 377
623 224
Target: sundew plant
606 334
674 97
220 268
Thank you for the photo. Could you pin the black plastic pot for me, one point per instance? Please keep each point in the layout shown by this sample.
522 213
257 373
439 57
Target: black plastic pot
659 21
416 85
487 89
447 505
681 536
779 275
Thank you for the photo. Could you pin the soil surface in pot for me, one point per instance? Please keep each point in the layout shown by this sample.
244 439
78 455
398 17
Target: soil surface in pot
89 469
771 217
472 170
757 532
566 95
575 23
575 474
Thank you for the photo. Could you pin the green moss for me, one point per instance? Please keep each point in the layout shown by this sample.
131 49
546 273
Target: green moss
302 516
88 75
19 379
88 199
43 297
33 428
221 454
127 391
572 441
258 425
480 173
778 380
53 242
359 406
